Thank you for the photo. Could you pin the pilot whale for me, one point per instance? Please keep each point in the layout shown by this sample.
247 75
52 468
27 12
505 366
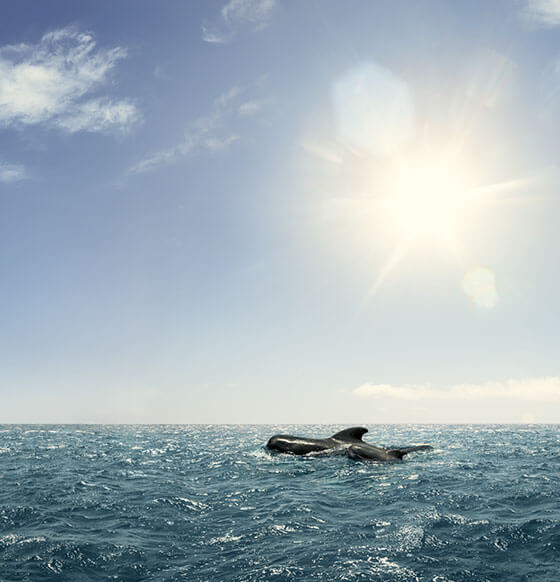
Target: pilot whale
347 441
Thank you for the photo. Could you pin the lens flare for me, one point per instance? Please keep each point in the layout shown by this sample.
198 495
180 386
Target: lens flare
374 109
480 286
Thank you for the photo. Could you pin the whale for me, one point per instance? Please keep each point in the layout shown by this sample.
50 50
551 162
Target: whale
348 441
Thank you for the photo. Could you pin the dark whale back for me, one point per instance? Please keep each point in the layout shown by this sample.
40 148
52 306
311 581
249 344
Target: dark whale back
285 443
297 445
348 441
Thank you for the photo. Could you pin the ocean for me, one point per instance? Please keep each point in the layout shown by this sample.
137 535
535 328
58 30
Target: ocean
210 503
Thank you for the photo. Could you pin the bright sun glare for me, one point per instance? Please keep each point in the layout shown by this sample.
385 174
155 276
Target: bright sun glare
425 188
426 197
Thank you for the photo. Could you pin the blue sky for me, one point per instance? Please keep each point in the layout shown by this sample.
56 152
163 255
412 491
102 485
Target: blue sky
265 211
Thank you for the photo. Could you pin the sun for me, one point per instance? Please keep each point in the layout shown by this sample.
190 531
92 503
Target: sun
426 197
419 198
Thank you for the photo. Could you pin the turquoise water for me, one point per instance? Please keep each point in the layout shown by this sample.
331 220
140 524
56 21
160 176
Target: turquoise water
210 503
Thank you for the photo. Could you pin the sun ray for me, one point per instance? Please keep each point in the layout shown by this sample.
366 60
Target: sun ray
505 191
398 254
325 153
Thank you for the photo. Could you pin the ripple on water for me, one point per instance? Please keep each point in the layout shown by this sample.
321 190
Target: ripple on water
211 503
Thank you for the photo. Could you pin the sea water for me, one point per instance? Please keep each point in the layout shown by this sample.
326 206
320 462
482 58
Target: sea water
211 503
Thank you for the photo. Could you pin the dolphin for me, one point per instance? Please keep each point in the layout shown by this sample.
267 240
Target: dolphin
348 441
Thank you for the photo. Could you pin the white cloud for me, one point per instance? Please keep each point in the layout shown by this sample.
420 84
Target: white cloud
528 389
545 13
195 140
255 11
98 115
237 15
250 108
208 133
11 173
52 83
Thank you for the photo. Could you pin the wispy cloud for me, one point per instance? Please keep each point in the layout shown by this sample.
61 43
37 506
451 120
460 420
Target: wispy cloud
543 13
528 389
238 15
11 173
251 107
57 83
208 133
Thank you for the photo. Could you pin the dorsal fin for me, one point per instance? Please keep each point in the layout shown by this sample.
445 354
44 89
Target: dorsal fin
350 434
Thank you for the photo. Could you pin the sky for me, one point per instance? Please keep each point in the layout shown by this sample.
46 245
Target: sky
265 211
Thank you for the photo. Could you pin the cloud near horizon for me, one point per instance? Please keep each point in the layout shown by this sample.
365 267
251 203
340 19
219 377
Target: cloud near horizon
235 16
56 83
529 389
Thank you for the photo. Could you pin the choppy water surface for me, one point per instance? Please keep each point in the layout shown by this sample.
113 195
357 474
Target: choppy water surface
209 503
